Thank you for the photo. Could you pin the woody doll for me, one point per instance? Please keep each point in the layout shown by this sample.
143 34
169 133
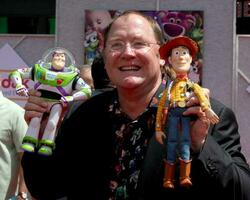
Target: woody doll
179 53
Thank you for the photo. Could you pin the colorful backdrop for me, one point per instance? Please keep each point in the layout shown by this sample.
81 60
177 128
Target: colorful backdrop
173 24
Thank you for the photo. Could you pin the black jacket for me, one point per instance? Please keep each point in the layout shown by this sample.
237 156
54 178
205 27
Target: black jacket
79 165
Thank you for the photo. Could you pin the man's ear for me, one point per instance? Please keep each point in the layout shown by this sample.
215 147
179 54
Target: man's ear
103 55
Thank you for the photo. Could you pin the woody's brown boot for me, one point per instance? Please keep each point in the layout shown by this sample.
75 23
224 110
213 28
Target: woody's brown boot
168 181
185 168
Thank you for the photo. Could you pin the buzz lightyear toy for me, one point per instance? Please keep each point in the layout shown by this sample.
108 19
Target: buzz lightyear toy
56 77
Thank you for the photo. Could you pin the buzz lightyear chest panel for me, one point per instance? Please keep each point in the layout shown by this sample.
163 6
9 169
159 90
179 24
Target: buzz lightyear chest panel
53 84
53 78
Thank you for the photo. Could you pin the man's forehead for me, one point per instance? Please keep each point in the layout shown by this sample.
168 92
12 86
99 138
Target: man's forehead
124 24
131 17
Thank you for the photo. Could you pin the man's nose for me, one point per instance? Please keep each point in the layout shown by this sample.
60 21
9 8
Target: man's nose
128 49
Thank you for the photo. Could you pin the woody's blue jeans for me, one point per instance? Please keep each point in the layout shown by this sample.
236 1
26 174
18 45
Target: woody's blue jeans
178 137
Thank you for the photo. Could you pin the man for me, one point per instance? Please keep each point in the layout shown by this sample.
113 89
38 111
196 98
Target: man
106 147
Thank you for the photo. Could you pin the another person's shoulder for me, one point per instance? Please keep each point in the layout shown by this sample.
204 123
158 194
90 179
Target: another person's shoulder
11 106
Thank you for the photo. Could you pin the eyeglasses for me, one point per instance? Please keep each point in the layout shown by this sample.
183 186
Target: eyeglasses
137 46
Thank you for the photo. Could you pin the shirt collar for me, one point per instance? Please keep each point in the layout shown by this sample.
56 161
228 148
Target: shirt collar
114 106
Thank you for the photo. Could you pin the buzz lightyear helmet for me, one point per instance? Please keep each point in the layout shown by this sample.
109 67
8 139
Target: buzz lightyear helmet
47 58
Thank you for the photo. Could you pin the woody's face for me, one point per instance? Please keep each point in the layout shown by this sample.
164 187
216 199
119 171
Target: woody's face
180 60
58 61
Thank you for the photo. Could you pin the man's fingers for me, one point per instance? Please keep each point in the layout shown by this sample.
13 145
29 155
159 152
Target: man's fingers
31 114
194 110
193 100
34 102
33 92
36 107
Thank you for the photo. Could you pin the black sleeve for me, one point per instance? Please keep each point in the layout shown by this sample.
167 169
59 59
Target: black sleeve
222 158
46 173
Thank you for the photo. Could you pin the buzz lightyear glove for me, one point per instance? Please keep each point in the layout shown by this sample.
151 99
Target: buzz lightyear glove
21 90
65 100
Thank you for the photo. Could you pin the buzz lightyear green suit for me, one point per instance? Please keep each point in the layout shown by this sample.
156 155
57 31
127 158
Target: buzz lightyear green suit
59 85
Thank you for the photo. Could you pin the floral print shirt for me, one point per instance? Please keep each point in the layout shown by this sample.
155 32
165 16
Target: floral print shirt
129 147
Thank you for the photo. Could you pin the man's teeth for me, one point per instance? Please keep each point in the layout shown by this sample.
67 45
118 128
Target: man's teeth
130 68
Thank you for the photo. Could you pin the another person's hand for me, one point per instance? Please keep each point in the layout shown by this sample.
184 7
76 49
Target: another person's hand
35 106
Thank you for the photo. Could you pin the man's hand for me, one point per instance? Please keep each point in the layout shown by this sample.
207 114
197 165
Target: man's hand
193 100
35 106
199 127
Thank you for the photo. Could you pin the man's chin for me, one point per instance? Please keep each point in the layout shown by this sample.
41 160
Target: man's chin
131 84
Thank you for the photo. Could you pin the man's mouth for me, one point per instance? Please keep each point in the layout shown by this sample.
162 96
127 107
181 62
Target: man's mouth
129 68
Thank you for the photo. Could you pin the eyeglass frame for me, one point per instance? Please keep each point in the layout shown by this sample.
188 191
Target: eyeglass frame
141 45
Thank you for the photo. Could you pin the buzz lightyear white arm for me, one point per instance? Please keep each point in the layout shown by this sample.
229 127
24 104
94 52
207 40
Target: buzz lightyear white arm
83 92
17 76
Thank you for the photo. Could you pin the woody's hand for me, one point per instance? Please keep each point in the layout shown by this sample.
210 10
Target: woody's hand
211 115
160 136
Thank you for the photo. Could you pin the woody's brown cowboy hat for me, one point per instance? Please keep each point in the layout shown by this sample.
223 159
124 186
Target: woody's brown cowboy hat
166 48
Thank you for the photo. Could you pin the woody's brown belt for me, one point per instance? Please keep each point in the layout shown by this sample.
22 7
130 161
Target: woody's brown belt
181 104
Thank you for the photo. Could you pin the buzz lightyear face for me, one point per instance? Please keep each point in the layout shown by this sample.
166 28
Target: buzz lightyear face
58 60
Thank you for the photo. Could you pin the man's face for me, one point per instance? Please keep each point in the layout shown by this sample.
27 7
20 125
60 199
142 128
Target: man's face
131 66
180 59
58 61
